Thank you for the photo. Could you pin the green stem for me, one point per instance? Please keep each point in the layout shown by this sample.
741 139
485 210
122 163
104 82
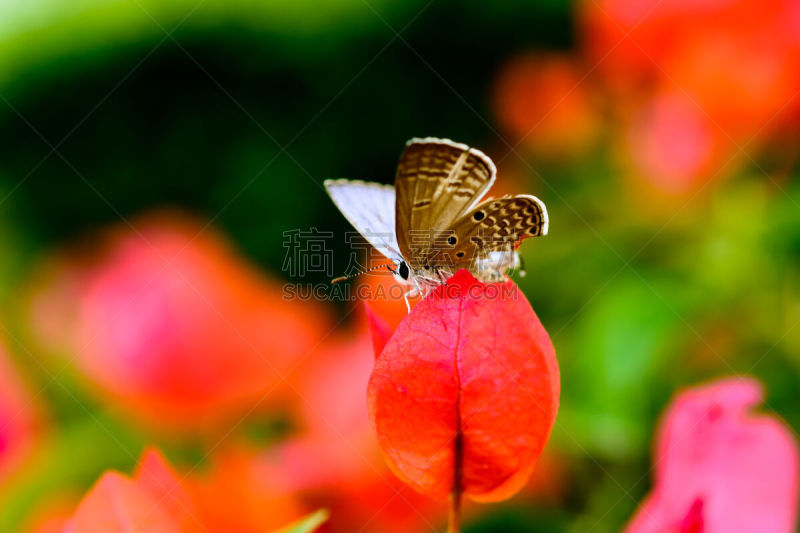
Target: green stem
454 514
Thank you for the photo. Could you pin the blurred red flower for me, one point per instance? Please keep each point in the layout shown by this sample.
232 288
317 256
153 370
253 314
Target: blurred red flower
334 461
233 498
720 468
465 392
696 80
170 321
542 101
20 424
152 501
235 493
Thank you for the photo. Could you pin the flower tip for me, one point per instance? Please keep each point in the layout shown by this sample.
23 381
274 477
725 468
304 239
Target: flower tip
735 393
151 454
463 279
379 328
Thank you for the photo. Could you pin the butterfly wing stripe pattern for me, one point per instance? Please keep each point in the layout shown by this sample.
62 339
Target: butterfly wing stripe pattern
497 225
370 208
437 181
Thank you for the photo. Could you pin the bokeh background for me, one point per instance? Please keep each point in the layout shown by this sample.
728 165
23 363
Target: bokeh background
152 155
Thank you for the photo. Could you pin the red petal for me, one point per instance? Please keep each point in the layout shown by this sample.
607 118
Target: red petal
470 364
118 504
154 475
380 329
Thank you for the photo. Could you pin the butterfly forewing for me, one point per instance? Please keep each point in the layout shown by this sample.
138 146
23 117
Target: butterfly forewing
370 209
437 182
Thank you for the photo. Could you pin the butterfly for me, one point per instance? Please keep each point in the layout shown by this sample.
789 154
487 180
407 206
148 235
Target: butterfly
432 222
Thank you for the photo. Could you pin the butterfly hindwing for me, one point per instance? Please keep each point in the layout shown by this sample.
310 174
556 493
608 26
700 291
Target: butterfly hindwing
496 225
437 182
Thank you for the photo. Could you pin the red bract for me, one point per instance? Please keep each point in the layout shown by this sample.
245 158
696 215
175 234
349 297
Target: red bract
465 393
720 468
380 330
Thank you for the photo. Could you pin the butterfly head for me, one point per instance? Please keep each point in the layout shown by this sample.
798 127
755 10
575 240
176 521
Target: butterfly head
403 271
416 275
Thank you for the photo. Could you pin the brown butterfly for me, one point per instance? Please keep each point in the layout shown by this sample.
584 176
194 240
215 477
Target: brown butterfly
431 223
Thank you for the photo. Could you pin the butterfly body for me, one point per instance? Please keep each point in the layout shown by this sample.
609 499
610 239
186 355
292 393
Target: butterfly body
433 222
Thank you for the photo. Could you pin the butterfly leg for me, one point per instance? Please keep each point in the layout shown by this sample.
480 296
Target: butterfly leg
412 292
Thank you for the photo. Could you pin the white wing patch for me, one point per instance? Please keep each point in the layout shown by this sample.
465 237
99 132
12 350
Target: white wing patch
369 207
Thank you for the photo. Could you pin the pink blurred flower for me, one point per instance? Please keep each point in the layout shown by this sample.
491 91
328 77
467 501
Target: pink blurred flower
19 418
171 322
720 468
672 142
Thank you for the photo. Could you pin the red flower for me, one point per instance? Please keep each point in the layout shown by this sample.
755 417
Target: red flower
465 393
719 468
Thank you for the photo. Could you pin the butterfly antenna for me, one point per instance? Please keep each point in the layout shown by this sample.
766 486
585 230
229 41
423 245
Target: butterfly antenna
343 278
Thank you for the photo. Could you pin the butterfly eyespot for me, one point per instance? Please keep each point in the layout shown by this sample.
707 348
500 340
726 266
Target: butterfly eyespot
427 267
479 215
452 240
460 254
